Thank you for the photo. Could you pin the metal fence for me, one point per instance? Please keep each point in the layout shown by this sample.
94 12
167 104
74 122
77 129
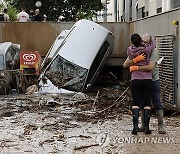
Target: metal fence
165 46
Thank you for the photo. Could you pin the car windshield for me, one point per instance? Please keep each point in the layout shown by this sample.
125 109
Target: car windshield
65 74
1 63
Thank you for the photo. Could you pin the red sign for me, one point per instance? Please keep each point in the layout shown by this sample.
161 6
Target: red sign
30 62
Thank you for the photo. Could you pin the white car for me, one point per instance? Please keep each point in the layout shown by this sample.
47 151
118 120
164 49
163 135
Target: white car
9 60
79 58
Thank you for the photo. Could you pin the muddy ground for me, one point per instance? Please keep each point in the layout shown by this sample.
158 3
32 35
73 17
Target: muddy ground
97 122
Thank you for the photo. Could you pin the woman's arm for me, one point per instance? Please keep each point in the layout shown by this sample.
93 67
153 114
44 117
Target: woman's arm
129 62
145 68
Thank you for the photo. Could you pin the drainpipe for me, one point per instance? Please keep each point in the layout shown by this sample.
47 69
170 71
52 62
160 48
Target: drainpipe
176 50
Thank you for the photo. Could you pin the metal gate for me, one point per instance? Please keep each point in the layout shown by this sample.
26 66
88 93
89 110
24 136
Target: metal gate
165 46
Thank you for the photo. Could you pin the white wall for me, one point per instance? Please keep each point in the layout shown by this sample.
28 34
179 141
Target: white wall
120 2
110 7
141 3
152 7
166 5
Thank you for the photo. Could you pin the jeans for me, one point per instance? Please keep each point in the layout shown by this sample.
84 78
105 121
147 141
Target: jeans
156 95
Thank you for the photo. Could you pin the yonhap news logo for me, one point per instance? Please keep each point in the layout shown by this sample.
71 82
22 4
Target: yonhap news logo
152 140
105 139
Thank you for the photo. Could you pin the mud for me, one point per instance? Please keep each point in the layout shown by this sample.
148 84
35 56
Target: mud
98 122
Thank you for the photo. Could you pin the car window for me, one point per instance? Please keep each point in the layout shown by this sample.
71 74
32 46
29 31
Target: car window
9 58
65 39
11 52
1 63
69 34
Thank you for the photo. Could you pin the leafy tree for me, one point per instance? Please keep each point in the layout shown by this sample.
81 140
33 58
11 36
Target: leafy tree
12 12
70 9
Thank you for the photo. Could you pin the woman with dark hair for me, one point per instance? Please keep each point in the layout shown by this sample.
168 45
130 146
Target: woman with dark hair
141 84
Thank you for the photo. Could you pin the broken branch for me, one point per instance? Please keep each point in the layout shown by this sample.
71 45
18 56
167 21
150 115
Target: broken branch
122 94
96 98
85 146
111 105
116 100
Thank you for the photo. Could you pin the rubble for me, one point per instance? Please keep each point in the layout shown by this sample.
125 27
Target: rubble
62 123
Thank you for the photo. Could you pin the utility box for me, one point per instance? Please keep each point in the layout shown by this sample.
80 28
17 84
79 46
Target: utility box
30 63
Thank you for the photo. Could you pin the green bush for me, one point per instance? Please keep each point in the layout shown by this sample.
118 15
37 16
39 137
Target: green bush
12 12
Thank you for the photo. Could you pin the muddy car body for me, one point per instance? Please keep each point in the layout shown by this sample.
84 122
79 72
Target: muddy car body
79 57
9 61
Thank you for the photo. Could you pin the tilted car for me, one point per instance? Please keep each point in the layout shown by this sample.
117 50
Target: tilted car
79 57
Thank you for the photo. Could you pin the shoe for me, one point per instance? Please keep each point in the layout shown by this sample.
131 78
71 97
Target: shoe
135 114
160 122
147 114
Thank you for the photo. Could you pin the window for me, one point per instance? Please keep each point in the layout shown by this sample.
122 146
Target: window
121 18
65 74
1 63
124 5
130 2
159 10
147 14
176 3
8 56
65 38
130 11
143 12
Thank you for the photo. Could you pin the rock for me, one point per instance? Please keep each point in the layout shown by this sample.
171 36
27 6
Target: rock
80 95
31 89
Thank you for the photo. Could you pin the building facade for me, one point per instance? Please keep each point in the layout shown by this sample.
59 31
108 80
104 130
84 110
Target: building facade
131 10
